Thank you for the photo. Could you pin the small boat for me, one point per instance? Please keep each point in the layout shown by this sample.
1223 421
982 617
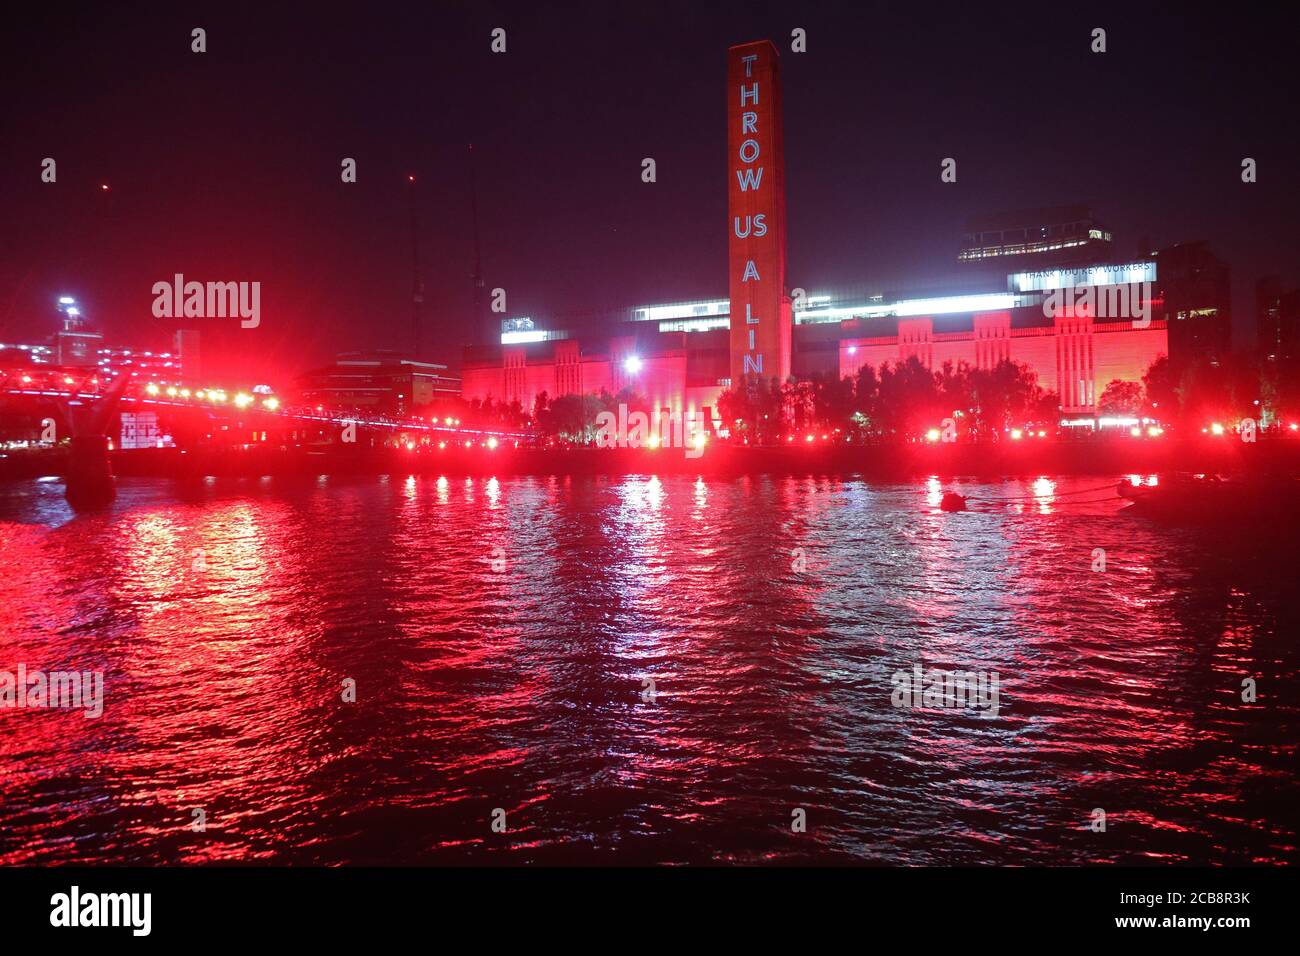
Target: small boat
1209 499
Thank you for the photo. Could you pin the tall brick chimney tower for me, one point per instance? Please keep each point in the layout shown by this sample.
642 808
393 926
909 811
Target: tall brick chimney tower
761 316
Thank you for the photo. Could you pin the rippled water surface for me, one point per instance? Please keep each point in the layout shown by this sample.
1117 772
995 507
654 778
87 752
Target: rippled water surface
503 637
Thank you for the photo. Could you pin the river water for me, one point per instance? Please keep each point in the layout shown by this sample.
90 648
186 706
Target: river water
641 670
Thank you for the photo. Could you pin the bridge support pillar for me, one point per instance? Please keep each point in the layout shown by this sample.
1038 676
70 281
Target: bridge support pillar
90 476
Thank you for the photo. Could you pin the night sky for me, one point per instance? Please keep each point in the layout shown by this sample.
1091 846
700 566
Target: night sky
225 165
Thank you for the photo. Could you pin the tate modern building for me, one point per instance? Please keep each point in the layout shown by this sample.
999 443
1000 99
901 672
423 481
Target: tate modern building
1040 286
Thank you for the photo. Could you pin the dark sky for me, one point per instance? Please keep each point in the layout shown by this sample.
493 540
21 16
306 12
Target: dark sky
225 165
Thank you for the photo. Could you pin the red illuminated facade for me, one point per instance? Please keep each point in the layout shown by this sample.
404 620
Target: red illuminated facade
678 371
1074 355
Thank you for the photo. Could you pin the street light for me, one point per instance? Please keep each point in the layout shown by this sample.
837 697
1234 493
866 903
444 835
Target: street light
632 364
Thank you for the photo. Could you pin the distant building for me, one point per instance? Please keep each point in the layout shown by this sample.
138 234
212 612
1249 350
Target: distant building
1277 321
1036 238
677 355
76 344
1074 352
1036 286
384 381
185 344
20 354
162 368
678 370
1194 298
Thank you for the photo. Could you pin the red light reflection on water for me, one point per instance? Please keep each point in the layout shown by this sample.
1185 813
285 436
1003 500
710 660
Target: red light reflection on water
502 634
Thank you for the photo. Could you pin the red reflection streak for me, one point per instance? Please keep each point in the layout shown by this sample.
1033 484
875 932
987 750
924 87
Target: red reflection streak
38 747
967 589
477 573
202 678
638 528
207 650
1143 649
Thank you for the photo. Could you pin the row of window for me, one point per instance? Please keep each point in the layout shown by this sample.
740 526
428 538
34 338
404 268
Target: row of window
998 236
